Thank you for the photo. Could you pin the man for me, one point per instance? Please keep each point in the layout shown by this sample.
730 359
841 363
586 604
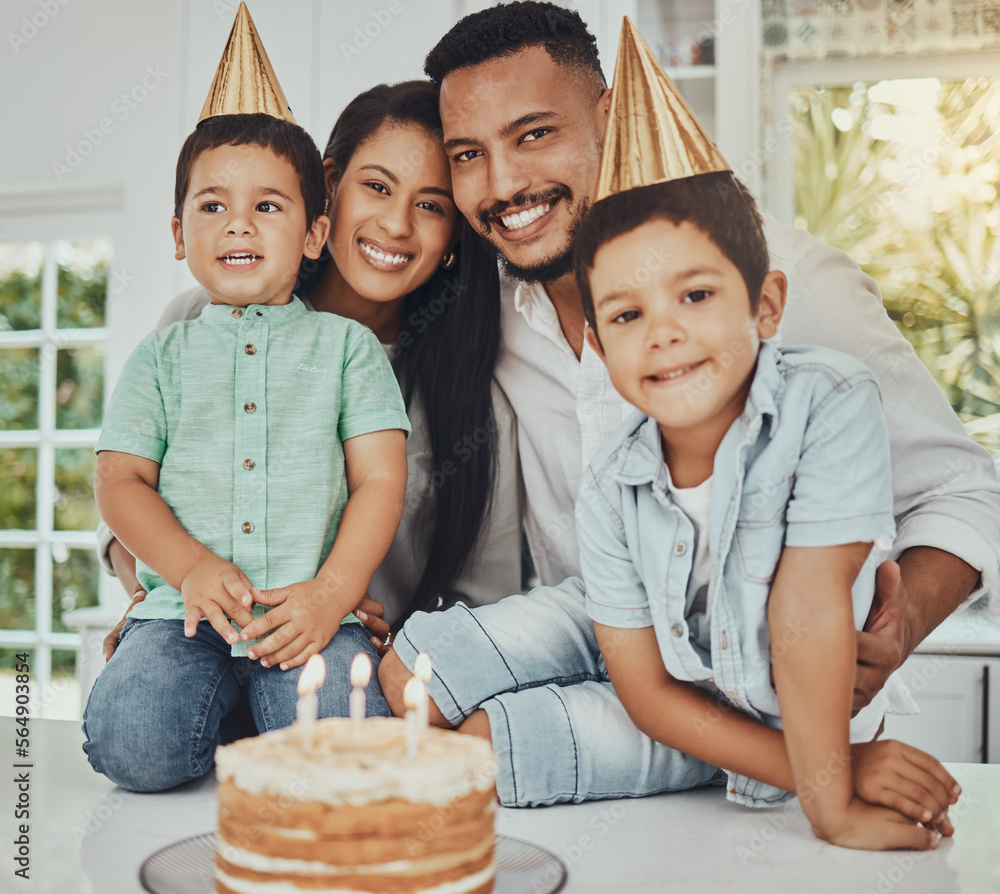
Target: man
524 106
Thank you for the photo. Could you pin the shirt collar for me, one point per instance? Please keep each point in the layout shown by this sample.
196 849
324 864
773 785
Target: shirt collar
275 314
641 455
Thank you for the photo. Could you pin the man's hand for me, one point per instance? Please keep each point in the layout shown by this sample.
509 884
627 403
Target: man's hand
216 589
882 644
905 779
111 640
304 617
372 615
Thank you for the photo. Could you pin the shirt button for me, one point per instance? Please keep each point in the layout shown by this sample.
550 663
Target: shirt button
680 549
250 407
247 527
237 313
677 630
248 464
250 349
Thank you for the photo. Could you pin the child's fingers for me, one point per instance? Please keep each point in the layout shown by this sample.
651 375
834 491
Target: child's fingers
272 597
192 615
935 769
290 649
260 626
279 639
220 623
911 807
944 825
238 586
311 648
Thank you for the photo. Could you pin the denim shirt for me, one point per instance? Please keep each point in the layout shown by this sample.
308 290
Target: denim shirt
805 465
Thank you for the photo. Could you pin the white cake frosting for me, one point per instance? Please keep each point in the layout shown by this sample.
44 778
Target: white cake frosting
356 764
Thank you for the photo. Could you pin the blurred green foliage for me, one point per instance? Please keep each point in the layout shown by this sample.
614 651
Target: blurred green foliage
81 288
921 218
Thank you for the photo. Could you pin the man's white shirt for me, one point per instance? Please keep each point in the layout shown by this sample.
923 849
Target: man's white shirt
945 489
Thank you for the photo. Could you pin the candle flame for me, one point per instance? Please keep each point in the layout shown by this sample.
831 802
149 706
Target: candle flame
312 675
361 670
422 667
414 693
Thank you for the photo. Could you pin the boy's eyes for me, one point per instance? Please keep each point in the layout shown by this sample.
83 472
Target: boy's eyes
697 295
218 207
626 316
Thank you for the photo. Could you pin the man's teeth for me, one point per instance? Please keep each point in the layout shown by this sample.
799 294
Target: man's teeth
373 252
522 218
241 258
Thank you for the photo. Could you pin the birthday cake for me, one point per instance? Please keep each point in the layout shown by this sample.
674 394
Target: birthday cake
354 812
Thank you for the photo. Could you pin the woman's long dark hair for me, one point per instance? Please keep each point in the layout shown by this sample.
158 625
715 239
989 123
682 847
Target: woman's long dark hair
446 352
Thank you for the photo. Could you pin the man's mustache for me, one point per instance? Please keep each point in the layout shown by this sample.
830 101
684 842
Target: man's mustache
497 208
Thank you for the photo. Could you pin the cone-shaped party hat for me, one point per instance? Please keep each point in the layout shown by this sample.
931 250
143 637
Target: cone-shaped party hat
244 81
652 134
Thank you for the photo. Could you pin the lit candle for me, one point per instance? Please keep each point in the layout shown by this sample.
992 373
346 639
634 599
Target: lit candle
310 680
422 671
361 673
413 695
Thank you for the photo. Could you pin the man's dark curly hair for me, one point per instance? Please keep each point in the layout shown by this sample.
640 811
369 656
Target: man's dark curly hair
509 28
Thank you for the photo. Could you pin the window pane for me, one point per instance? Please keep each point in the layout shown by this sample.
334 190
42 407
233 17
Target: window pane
75 509
17 589
18 388
18 474
83 283
74 582
80 387
903 175
21 285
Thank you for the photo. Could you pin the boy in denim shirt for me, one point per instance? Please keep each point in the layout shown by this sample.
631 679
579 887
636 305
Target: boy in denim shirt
726 530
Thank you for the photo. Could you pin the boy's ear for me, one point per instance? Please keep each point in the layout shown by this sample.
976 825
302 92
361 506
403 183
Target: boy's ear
175 228
593 340
772 303
316 237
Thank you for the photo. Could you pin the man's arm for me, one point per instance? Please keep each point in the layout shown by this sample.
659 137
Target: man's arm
946 499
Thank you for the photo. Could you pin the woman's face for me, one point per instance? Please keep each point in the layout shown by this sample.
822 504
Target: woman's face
392 212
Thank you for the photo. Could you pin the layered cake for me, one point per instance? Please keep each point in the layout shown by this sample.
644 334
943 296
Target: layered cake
355 813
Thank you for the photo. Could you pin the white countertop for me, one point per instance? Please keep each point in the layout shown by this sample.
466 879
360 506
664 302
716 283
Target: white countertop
967 633
87 835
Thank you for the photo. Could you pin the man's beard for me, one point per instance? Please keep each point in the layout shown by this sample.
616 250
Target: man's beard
552 268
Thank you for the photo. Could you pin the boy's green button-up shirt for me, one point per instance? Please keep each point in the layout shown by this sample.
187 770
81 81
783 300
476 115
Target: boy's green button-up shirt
246 411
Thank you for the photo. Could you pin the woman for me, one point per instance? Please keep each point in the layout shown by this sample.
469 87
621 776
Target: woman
403 261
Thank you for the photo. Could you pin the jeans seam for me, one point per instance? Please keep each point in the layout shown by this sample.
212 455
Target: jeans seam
510 748
572 735
201 719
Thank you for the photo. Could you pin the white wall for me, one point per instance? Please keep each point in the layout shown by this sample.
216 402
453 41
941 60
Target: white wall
65 65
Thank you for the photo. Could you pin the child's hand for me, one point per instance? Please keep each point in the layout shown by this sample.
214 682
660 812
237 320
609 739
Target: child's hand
214 589
907 780
866 827
304 618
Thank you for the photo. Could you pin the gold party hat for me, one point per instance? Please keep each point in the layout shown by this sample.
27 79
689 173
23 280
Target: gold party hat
244 81
652 134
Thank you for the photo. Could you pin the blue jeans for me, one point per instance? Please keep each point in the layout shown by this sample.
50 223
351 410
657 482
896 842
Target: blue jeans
558 729
163 702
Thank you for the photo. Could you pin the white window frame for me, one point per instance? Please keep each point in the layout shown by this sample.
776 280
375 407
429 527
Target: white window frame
786 76
46 439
